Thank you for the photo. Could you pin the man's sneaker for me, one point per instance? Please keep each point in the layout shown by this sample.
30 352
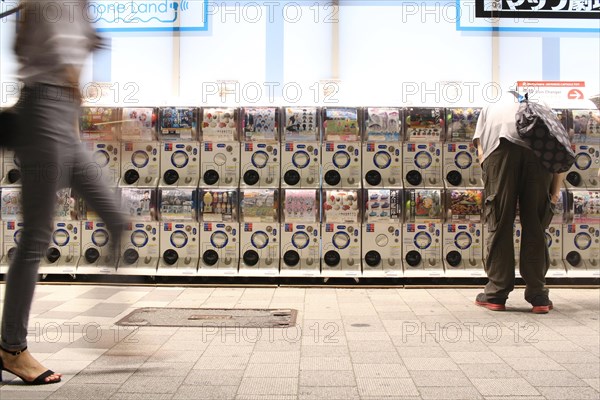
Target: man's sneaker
490 304
541 304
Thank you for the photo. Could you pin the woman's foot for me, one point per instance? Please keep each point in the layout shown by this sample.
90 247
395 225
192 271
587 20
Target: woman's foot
26 367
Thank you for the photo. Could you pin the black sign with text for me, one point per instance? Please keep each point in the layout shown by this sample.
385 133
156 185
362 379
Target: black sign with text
575 9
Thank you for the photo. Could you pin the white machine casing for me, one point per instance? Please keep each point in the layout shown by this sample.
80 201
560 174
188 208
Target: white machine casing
584 171
11 173
11 232
64 251
107 156
219 164
140 249
140 164
422 165
179 164
179 248
95 244
300 148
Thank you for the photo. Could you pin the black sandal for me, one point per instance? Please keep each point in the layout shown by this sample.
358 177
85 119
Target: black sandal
40 380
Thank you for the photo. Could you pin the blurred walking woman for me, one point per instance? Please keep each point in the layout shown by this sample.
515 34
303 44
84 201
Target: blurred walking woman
53 41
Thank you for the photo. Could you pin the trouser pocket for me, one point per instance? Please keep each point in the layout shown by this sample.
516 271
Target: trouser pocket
491 213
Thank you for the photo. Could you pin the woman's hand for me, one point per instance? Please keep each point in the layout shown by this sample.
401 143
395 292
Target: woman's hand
555 198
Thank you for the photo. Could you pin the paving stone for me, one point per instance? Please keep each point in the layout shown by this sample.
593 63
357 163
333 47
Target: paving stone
534 364
478 357
430 364
448 393
375 358
76 392
272 371
571 393
552 378
504 387
584 371
382 387
187 392
214 378
329 393
489 371
325 364
381 371
440 378
283 386
327 378
151 384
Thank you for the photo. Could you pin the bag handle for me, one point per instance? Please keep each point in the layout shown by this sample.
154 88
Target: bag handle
11 11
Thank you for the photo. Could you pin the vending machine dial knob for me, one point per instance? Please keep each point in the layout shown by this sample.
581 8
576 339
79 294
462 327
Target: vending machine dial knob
291 258
251 258
52 254
171 176
170 256
210 257
130 256
92 255
211 177
372 258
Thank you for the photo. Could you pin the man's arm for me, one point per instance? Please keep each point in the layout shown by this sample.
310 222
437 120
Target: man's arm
555 186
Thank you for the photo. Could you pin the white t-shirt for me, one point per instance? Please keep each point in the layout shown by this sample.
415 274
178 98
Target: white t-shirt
51 36
497 121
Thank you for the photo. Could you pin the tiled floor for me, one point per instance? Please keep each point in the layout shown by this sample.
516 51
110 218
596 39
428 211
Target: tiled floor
349 344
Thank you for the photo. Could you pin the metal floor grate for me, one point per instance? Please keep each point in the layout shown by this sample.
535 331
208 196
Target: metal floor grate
211 317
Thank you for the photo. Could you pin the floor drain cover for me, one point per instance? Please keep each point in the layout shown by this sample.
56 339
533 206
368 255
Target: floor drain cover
211 317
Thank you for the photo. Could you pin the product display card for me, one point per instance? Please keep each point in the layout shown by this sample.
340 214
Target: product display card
586 207
341 206
11 206
424 123
424 205
177 123
99 123
461 123
341 124
383 205
301 124
218 205
383 124
586 126
219 124
178 204
138 124
465 205
301 206
138 203
260 124
66 205
258 205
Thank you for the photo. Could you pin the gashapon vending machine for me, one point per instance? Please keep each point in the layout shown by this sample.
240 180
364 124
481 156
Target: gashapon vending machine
555 236
179 232
422 233
341 234
301 148
140 150
461 164
341 158
300 233
422 152
64 249
100 129
259 232
585 128
11 169
220 148
260 158
220 232
140 242
382 148
179 147
463 238
382 233
581 241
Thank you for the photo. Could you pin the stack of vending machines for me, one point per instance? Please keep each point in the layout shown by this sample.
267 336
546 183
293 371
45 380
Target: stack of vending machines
422 173
341 182
382 196
463 230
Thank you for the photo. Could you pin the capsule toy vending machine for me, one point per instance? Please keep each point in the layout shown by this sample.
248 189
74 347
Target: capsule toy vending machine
422 151
96 241
64 250
300 233
555 235
219 148
179 232
12 224
583 174
341 149
581 243
301 148
341 234
11 169
422 233
382 148
140 241
259 232
260 158
100 131
220 232
463 234
461 163
382 233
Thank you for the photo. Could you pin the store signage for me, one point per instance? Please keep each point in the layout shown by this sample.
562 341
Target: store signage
148 16
555 93
538 9
529 15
